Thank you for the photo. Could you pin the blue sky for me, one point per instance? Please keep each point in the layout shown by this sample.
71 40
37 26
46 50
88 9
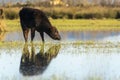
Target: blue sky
7 1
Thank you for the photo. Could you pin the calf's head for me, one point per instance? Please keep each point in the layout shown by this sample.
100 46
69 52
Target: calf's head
53 33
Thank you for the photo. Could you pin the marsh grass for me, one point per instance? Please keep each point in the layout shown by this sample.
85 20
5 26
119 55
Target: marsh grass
87 44
74 48
2 26
11 13
13 25
73 25
87 25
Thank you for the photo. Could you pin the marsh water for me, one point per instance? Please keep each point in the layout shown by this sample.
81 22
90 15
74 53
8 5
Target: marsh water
66 61
67 36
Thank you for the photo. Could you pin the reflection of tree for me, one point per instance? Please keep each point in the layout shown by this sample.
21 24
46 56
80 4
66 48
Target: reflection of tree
33 64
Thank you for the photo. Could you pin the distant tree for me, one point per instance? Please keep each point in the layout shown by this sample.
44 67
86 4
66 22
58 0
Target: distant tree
95 2
116 3
70 2
110 2
41 3
76 2
28 3
103 2
3 4
2 23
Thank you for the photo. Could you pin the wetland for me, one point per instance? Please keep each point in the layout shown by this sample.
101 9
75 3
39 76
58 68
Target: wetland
80 55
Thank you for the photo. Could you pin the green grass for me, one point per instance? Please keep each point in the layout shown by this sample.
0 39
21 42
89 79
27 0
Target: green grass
73 25
83 25
13 25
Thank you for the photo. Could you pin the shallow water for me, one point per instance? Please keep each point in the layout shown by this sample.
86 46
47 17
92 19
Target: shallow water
99 61
65 62
69 36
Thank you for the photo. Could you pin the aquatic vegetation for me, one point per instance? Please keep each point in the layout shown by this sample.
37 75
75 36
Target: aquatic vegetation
87 45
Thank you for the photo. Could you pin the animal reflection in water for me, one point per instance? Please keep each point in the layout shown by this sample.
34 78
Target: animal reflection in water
34 64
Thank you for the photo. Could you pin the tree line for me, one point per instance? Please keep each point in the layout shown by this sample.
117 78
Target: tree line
81 3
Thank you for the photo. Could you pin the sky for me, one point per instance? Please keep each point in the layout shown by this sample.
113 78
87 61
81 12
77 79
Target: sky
15 1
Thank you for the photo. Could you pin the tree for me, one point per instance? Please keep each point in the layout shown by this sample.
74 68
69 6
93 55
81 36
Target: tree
116 3
95 2
2 23
110 2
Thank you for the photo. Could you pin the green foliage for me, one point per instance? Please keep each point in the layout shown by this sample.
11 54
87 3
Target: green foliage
11 13
118 15
71 12
110 14
82 12
13 25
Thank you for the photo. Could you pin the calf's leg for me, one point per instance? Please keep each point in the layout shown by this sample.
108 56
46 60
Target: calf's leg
42 36
25 33
32 34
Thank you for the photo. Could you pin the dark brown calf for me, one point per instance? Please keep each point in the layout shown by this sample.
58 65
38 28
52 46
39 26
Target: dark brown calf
36 20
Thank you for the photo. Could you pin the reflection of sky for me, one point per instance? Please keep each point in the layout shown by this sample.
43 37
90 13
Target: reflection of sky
112 39
71 63
9 64
69 36
88 36
85 66
13 1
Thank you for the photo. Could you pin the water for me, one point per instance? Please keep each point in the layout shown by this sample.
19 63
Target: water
99 61
68 36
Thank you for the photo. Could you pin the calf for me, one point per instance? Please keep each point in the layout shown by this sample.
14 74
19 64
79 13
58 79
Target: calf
36 20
